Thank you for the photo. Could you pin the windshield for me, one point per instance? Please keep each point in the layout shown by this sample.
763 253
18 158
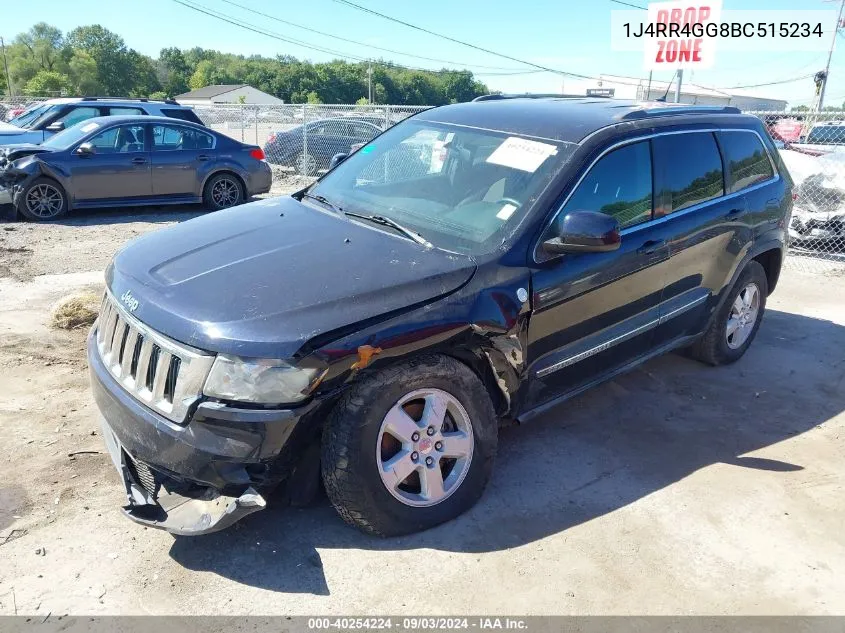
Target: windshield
27 119
827 135
461 188
64 139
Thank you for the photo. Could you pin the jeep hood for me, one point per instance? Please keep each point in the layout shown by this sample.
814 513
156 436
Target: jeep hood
264 278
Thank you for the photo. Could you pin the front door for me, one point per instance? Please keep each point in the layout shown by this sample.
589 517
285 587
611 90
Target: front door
118 169
596 312
181 156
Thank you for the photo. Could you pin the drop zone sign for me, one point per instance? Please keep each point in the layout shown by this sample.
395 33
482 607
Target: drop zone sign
675 37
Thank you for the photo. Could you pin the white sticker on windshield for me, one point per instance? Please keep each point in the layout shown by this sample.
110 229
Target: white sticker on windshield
506 212
89 127
522 154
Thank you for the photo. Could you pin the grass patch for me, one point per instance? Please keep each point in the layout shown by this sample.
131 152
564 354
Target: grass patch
76 311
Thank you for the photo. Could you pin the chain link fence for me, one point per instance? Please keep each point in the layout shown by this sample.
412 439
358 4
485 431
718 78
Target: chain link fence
299 141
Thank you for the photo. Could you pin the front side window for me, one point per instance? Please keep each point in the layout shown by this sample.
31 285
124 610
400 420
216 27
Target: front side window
175 138
746 159
78 114
619 184
461 188
122 139
688 171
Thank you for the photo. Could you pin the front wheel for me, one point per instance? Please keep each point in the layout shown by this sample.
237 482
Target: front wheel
43 199
222 191
409 447
736 323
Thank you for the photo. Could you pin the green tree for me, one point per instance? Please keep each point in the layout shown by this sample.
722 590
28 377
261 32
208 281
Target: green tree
313 97
48 83
108 50
801 108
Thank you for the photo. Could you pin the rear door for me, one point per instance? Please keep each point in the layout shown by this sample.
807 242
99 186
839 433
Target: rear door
118 169
596 312
181 156
328 138
707 229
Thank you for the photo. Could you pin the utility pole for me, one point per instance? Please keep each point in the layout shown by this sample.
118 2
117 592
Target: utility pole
680 78
830 55
6 66
370 81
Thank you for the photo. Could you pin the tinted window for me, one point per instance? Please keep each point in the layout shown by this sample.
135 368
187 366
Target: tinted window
618 185
746 159
184 115
125 111
174 137
827 135
330 128
363 131
688 171
119 140
78 114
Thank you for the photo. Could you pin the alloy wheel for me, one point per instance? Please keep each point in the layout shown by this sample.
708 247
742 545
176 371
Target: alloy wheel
44 201
424 447
743 316
225 193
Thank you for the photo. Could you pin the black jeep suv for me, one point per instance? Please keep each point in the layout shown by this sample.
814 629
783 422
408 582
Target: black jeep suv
476 263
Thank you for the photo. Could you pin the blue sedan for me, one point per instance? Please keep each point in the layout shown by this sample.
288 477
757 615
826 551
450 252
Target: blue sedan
118 161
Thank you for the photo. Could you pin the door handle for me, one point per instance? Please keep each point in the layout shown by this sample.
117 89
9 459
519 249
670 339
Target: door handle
203 157
651 246
139 160
733 213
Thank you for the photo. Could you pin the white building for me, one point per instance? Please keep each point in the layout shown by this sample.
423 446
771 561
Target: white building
242 93
630 88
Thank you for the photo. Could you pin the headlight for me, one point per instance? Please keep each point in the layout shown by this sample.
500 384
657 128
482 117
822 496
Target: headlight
258 380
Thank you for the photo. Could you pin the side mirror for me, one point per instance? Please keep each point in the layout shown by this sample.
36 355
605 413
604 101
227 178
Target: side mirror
58 126
85 149
336 160
585 232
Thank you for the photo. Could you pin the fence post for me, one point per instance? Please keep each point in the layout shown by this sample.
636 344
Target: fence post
386 116
304 133
243 121
256 126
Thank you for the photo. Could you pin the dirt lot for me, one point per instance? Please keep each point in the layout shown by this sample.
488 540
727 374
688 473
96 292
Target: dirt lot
674 489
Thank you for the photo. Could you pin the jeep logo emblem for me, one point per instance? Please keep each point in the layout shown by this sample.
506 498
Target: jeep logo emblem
129 301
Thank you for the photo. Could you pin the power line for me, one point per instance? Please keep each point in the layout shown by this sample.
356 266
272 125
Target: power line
261 31
628 4
769 83
358 43
461 42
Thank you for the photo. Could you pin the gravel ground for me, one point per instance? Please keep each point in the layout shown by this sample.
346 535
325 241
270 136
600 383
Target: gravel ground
676 488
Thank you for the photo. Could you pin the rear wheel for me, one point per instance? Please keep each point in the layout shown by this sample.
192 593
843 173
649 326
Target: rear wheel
409 447
223 190
735 325
43 199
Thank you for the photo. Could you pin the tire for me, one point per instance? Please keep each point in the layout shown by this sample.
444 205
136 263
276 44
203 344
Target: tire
717 346
44 199
222 191
306 164
355 446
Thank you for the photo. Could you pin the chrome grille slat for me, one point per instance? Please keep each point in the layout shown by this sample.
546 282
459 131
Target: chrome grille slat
178 371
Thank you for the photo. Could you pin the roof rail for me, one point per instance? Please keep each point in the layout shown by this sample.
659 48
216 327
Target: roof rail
141 99
680 108
533 95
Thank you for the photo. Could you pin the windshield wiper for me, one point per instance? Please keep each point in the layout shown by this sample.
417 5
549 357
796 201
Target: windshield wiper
322 200
385 221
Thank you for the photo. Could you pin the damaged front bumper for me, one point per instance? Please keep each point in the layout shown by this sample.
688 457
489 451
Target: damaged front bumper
198 477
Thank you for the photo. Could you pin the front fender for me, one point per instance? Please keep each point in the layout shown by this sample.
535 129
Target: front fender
484 326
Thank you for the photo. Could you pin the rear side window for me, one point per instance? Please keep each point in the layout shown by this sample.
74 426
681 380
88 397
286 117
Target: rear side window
123 110
184 115
746 160
619 184
688 171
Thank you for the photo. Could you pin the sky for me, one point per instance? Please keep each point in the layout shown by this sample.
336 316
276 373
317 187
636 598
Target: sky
566 35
